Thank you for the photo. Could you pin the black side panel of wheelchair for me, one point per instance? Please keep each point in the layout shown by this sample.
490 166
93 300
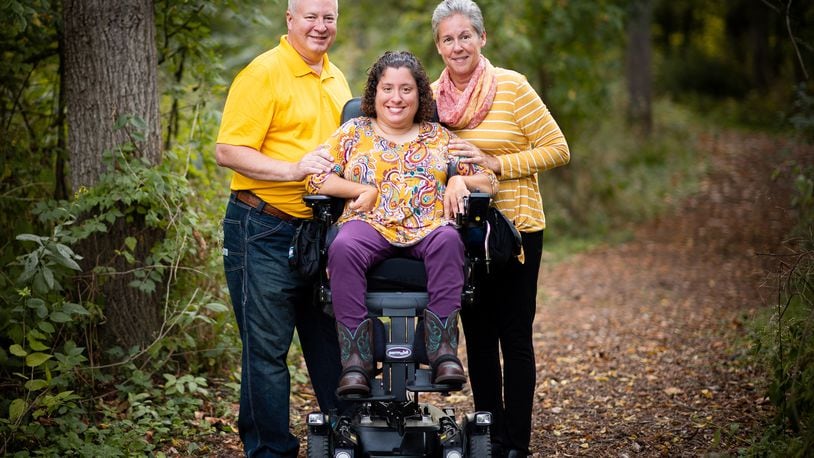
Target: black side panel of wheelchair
379 339
419 347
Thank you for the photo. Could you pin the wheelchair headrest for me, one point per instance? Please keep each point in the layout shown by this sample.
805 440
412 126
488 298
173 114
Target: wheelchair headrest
352 109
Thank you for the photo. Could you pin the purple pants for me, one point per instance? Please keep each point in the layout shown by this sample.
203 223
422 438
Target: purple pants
358 246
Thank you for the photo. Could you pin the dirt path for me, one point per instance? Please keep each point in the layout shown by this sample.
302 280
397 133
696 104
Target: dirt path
638 345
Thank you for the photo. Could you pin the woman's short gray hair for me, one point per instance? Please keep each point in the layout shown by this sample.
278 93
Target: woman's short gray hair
467 8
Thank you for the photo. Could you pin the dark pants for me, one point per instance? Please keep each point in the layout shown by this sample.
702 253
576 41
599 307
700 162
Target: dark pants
501 320
269 301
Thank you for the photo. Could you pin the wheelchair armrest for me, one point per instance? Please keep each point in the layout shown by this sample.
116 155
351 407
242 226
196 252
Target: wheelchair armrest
326 209
316 199
476 205
472 227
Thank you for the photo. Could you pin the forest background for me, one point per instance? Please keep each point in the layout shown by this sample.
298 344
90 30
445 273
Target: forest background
115 326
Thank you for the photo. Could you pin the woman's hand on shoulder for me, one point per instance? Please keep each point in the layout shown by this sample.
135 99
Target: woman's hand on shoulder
471 154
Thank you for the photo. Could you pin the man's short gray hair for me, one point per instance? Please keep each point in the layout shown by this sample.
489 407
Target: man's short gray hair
447 8
292 5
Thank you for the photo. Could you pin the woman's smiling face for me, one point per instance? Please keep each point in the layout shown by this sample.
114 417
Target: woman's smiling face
459 45
396 98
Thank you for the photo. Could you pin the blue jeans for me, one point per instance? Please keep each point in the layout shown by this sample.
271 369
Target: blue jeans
270 301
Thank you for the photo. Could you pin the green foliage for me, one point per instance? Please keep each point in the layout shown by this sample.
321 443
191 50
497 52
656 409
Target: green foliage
801 115
59 400
192 77
55 385
616 179
569 51
741 60
783 340
701 73
29 119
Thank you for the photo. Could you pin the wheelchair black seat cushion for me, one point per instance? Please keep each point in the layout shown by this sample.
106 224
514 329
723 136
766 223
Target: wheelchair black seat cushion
397 274
392 274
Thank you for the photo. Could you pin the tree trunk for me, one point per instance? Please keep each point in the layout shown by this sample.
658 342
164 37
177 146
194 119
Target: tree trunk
638 66
60 177
111 71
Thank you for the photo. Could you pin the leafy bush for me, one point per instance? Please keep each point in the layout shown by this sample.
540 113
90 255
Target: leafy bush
802 114
784 342
59 400
700 73
616 179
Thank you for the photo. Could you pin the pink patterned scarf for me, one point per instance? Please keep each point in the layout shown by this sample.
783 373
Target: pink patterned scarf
466 109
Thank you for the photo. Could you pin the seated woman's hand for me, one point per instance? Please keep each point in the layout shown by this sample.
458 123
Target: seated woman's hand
366 200
454 196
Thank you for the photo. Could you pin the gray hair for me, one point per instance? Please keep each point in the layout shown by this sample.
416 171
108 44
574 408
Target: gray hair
292 5
466 8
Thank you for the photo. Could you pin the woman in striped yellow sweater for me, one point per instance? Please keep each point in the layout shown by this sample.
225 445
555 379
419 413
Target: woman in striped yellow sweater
502 124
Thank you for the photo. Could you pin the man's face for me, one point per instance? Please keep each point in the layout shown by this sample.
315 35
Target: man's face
312 28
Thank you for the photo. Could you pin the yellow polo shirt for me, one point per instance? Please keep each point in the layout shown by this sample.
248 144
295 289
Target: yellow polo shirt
279 106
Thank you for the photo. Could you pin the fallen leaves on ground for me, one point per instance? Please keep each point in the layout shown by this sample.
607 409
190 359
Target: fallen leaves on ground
640 346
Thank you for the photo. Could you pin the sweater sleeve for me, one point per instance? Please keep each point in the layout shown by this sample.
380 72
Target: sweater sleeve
548 148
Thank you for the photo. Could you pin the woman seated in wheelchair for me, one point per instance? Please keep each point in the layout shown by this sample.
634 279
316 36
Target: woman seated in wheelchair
391 165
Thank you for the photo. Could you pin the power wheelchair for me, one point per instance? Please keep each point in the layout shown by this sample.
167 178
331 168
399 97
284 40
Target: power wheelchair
391 421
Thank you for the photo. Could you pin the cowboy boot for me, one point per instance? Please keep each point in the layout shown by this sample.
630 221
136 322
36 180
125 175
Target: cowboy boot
357 359
441 341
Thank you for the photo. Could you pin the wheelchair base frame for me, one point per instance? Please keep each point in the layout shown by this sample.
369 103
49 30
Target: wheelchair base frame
398 429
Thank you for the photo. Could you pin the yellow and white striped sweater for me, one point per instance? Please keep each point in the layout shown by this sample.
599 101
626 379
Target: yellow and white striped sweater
520 131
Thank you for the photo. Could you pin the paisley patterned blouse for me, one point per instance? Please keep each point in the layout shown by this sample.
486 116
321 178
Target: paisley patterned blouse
411 177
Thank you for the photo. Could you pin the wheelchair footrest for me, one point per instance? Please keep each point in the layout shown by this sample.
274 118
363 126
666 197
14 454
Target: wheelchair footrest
423 383
376 393
368 398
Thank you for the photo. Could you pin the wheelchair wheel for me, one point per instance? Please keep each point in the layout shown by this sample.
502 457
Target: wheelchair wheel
479 446
318 446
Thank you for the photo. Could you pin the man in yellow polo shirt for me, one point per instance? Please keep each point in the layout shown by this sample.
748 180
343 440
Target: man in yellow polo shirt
279 109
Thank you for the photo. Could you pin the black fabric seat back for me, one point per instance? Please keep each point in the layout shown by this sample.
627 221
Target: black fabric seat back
352 109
